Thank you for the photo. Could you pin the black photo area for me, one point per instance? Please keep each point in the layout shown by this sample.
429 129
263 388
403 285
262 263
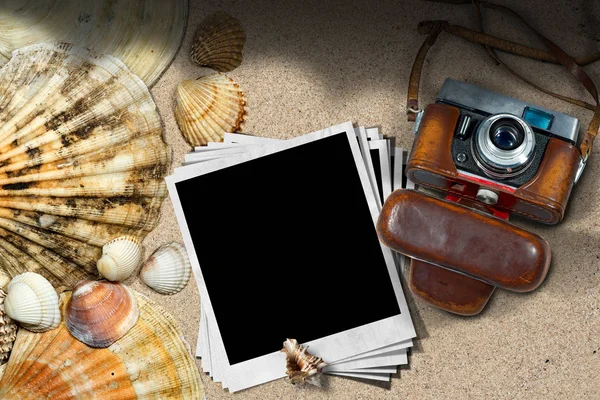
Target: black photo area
287 248
377 168
392 170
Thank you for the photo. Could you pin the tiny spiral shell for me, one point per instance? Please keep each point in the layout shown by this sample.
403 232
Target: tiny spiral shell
300 363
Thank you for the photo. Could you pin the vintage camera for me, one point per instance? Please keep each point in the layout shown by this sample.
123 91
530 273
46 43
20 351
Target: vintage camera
491 156
515 156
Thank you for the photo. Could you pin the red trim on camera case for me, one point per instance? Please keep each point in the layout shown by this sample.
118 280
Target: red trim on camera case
492 210
486 183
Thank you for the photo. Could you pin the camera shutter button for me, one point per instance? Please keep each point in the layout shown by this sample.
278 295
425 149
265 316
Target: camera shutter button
487 196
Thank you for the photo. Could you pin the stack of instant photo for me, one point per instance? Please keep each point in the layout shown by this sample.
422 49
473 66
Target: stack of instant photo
281 236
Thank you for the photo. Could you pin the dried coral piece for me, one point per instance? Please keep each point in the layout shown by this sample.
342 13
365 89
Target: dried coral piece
300 364
120 257
99 312
208 107
82 161
168 269
32 301
150 362
8 332
144 34
218 43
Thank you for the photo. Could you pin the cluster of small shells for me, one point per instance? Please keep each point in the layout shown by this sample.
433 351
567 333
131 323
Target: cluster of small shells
300 364
210 106
99 312
167 270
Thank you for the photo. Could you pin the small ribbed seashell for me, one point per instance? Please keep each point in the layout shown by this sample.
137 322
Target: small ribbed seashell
99 312
300 363
120 257
208 107
8 332
218 43
168 270
32 301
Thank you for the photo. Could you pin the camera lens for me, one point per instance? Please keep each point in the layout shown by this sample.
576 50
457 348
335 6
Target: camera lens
505 135
503 146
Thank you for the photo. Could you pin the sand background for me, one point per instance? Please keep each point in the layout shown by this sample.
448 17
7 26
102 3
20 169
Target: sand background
311 64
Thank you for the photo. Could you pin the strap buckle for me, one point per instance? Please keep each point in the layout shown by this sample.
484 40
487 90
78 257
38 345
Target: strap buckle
417 119
580 168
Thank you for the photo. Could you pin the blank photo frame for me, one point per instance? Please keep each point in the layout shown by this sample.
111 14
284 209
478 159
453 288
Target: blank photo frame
270 234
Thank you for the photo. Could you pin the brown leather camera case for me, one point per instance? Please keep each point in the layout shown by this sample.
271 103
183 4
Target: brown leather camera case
463 241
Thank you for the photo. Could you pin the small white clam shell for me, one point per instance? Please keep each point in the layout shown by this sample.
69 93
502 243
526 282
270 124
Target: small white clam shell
32 301
168 270
120 257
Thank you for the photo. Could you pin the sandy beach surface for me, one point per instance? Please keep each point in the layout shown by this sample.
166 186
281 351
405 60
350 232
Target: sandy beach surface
311 64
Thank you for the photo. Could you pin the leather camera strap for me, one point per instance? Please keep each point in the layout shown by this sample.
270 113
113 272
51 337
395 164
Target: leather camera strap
554 54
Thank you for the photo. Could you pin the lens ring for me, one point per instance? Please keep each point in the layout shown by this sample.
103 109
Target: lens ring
506 134
499 162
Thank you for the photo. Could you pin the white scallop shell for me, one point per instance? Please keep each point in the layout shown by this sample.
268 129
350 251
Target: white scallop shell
144 34
32 301
168 270
120 257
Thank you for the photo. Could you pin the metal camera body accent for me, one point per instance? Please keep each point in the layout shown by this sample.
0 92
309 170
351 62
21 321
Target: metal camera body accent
480 109
474 143
498 162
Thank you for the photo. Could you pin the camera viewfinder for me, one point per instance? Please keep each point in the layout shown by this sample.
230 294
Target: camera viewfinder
539 119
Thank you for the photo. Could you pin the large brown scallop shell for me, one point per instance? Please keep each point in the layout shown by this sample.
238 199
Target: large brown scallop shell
100 312
218 43
82 161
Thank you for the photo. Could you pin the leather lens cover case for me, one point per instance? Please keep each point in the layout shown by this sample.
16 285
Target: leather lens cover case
461 239
448 290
